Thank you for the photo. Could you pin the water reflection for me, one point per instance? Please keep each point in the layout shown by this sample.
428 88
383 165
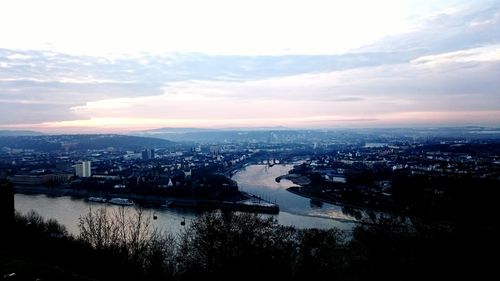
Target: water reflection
261 180
315 204
67 210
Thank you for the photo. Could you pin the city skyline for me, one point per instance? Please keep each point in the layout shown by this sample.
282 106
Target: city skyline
125 66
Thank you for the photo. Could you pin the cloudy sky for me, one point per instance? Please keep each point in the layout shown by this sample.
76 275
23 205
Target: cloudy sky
116 66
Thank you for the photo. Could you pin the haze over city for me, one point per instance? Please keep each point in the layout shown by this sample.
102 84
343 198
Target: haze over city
119 66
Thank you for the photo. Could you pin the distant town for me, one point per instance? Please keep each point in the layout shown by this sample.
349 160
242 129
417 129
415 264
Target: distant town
367 169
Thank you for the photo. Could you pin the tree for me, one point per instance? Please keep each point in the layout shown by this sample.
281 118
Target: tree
130 234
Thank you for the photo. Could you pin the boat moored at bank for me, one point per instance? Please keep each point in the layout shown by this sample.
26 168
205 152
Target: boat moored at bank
97 199
121 201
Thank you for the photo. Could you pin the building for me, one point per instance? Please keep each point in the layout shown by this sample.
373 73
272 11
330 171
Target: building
43 179
148 154
215 149
187 175
83 169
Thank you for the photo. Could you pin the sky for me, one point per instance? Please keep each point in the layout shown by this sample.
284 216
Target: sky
120 66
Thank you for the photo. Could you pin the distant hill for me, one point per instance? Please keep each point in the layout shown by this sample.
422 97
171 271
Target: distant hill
172 130
120 141
251 134
15 133
287 135
81 142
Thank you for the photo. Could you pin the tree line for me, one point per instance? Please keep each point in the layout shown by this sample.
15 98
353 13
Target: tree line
123 245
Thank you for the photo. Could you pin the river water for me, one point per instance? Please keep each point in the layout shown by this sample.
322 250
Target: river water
294 209
257 179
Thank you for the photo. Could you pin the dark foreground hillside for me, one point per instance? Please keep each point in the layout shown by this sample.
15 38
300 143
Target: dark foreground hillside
229 246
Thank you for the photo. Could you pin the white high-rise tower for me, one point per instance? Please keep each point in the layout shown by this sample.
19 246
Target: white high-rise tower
83 169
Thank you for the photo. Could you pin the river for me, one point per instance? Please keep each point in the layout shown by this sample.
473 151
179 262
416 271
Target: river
295 211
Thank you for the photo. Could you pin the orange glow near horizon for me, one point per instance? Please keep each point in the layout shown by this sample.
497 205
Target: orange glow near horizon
402 119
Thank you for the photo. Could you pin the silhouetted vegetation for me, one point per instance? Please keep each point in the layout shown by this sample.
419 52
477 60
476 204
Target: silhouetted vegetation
37 248
122 245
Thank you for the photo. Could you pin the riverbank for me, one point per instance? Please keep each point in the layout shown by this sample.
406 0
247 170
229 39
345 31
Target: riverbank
250 203
295 178
302 191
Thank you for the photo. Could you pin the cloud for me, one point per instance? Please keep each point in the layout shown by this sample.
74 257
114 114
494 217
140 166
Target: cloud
224 27
55 79
183 87
465 26
21 112
465 89
489 53
445 62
